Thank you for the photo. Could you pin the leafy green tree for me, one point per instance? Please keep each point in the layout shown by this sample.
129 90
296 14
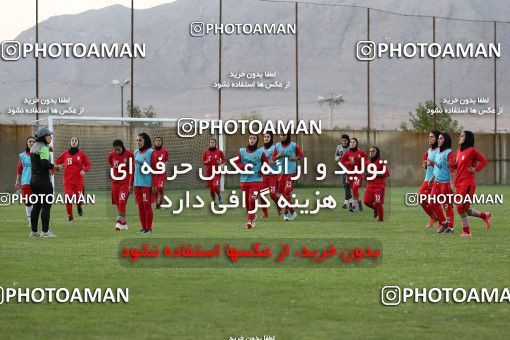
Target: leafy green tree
423 121
146 112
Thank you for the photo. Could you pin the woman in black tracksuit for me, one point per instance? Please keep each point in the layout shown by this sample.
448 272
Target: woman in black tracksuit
40 182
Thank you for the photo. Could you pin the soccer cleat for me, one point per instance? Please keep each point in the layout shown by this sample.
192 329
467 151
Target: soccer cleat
34 234
285 217
351 209
431 223
123 227
249 224
344 206
464 234
450 230
141 231
80 210
293 216
487 219
117 227
48 234
70 218
443 228
158 206
147 232
360 206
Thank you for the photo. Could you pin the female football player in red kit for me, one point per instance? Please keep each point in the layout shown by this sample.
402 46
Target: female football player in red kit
75 164
374 194
270 181
213 158
352 159
289 154
23 174
442 184
162 156
468 162
428 165
120 187
251 183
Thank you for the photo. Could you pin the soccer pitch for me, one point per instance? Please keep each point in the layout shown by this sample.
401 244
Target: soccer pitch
290 303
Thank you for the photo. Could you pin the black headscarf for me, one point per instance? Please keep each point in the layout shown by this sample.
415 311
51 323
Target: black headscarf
268 145
42 139
27 149
215 143
469 140
447 144
146 141
158 147
287 141
255 146
377 154
436 134
120 144
356 147
74 151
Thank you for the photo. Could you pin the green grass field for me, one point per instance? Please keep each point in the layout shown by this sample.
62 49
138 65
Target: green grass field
291 303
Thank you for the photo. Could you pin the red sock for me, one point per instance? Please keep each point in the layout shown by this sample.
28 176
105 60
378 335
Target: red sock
69 208
466 230
141 213
451 216
148 216
380 211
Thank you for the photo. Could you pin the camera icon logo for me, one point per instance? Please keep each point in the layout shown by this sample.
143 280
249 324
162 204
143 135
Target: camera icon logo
390 295
365 50
5 199
187 127
11 50
197 29
411 199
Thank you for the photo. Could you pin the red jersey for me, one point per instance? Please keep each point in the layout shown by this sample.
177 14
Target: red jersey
380 179
73 165
163 153
466 159
115 160
213 157
349 157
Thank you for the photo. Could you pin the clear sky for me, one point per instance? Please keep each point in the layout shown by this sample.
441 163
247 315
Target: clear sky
19 15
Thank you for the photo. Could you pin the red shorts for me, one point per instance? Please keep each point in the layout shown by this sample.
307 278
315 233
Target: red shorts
374 194
120 192
270 182
143 195
441 188
159 181
213 182
466 190
425 188
73 189
25 191
356 182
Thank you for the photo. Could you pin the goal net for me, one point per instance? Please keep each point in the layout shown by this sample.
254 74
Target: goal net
96 135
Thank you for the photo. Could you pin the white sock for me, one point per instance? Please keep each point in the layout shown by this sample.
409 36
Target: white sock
29 212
